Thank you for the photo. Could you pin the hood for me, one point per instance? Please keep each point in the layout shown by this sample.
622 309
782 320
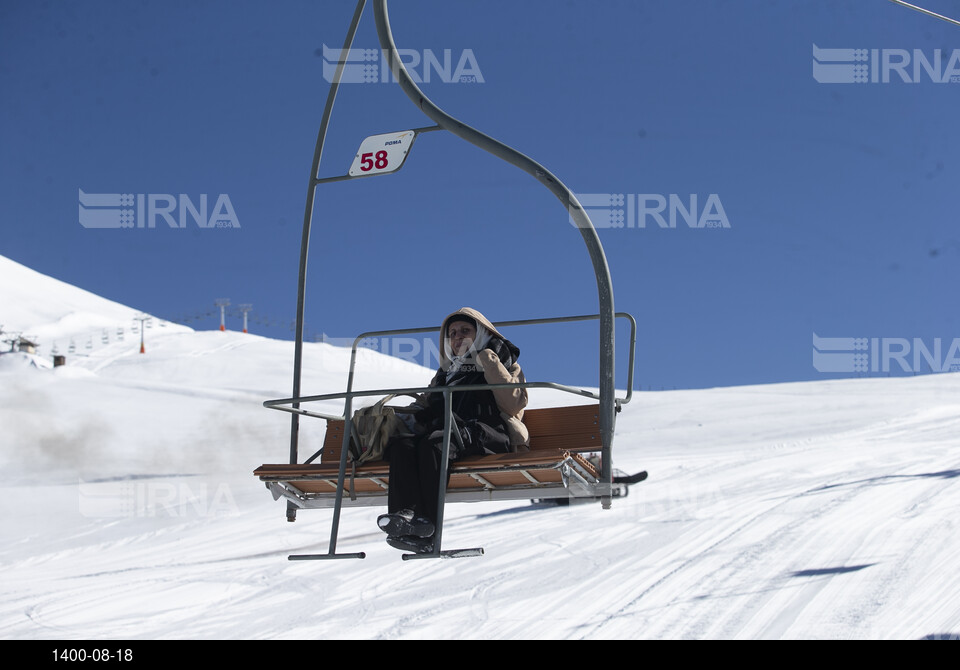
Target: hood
481 320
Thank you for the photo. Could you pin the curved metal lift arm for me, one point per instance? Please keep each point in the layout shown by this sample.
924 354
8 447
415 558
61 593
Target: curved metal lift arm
566 197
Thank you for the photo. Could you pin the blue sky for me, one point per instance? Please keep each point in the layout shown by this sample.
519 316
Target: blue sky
839 200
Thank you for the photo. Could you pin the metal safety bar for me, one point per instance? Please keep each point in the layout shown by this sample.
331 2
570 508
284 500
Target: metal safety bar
295 409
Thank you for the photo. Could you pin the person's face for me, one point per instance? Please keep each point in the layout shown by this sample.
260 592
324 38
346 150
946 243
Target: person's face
462 335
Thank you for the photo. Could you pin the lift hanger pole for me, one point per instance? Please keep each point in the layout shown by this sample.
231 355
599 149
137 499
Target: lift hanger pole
305 240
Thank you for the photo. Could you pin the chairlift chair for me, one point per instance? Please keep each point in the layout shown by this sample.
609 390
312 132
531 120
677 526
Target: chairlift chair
570 455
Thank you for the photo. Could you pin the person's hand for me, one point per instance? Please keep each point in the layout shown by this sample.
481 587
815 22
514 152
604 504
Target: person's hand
487 357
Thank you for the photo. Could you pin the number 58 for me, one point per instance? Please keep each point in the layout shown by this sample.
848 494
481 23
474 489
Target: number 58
378 160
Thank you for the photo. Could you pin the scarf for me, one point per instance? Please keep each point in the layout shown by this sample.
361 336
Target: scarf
465 362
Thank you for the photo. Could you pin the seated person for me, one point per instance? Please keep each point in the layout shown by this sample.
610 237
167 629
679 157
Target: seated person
487 421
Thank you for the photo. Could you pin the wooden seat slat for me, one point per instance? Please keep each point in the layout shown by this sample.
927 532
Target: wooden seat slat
382 468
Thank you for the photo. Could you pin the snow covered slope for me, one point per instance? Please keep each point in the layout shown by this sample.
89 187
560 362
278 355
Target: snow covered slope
53 314
809 510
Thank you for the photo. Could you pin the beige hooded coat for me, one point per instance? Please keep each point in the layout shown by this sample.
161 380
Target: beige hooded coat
511 402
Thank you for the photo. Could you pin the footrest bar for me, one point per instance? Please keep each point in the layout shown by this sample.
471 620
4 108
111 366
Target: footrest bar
447 553
323 557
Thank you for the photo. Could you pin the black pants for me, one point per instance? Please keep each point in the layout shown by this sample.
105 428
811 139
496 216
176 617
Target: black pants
414 477
415 465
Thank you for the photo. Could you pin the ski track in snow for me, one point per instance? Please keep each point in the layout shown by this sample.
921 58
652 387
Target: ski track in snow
734 578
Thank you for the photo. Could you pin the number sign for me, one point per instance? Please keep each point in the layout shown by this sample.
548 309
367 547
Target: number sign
380 154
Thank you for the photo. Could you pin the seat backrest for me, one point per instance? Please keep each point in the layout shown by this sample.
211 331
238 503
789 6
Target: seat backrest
575 428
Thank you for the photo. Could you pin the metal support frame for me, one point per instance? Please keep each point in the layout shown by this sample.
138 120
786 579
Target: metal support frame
294 406
608 403
281 486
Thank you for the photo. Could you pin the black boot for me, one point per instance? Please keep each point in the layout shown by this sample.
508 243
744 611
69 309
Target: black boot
417 545
405 522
